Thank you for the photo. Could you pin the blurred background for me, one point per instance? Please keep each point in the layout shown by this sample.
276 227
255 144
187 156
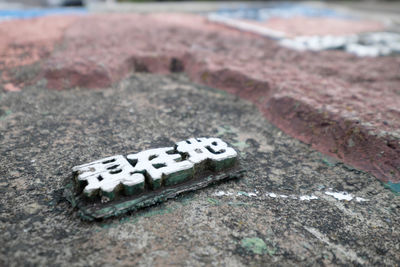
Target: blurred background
44 3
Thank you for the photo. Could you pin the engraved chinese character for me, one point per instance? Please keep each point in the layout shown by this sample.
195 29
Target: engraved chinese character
163 166
107 175
213 149
154 168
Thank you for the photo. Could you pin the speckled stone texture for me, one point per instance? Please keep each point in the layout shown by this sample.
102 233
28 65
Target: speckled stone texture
26 42
344 106
43 133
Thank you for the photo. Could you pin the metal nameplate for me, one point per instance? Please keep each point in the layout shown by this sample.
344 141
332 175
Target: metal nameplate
117 184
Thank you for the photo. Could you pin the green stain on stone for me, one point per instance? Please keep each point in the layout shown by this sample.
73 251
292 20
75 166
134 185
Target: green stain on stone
213 201
6 114
329 162
178 177
240 144
238 203
224 130
255 245
223 164
271 251
147 214
108 226
185 200
395 187
132 190
109 195
156 183
241 193
157 212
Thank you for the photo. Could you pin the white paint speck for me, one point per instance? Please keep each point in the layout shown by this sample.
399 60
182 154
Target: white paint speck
308 198
222 193
246 194
340 195
337 195
360 199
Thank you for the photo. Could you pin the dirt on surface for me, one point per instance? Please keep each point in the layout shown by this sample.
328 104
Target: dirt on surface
281 213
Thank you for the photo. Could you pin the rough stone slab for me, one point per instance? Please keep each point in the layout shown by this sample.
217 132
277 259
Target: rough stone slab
342 105
45 132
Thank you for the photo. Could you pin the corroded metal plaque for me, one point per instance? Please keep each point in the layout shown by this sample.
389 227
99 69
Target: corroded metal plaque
118 184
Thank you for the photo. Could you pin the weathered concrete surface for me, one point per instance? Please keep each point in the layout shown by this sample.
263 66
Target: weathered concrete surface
342 105
43 133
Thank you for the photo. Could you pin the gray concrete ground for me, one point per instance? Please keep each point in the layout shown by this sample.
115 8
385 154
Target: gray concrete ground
44 133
